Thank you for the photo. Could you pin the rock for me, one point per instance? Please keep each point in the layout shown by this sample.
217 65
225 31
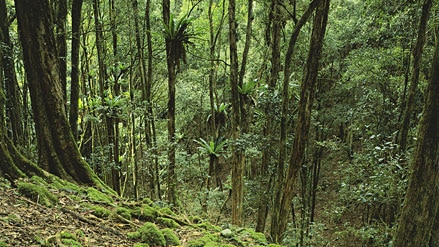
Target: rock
227 233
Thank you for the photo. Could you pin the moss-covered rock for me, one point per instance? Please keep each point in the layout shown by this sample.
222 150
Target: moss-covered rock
96 195
69 239
124 212
98 211
37 193
145 212
170 237
166 222
205 241
150 234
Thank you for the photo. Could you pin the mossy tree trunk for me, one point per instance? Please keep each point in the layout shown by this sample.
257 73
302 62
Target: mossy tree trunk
419 214
303 122
57 150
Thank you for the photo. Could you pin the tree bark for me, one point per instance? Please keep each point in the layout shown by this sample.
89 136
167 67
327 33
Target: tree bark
237 156
57 150
417 56
280 169
304 116
171 178
74 84
14 107
421 203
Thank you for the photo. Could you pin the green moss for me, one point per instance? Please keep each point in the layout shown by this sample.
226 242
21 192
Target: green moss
133 235
167 211
147 201
274 245
98 196
146 213
170 237
150 234
37 193
39 180
228 245
99 211
208 240
71 242
3 244
167 222
209 226
125 213
140 245
69 239
259 237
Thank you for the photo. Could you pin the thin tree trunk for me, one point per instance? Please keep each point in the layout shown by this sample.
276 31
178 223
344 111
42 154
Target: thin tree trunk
417 56
171 177
280 169
74 83
267 153
237 156
304 117
150 113
421 204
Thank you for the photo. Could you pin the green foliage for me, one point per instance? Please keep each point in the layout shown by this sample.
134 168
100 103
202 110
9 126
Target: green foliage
37 193
170 237
212 147
178 34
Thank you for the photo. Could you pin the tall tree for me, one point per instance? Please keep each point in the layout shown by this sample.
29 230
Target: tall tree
237 155
421 203
57 150
171 63
416 68
14 108
74 76
304 118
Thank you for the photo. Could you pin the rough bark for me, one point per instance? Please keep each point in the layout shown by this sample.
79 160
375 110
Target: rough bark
12 102
417 56
304 116
421 204
57 150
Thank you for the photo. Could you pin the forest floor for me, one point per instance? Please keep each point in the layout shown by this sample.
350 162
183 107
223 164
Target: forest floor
69 217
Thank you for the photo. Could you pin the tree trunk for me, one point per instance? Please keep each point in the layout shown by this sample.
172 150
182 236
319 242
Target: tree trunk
417 56
421 204
57 151
237 156
60 13
304 117
280 169
74 84
267 153
14 108
171 178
